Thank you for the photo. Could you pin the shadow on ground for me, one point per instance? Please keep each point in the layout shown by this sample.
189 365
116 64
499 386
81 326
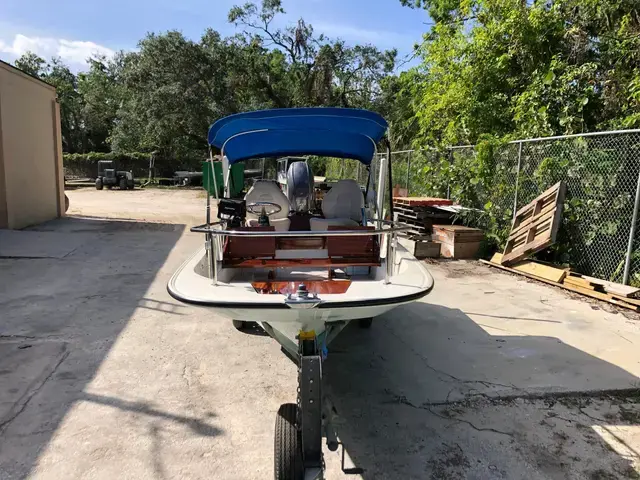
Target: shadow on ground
427 393
60 318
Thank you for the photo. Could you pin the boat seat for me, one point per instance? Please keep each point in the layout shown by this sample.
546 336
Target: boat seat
268 191
341 206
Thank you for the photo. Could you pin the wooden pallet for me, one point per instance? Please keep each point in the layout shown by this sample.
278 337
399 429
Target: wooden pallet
535 225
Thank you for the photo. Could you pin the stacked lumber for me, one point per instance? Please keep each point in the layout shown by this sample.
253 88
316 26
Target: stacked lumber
420 214
614 293
458 241
420 248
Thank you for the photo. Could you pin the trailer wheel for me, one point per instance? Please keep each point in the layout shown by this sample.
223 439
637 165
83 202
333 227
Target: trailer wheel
99 184
365 322
287 458
239 324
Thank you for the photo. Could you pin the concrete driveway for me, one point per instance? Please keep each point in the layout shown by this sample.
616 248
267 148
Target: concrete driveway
103 375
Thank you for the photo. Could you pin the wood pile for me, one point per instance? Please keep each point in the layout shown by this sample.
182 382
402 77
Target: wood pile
457 241
420 214
614 293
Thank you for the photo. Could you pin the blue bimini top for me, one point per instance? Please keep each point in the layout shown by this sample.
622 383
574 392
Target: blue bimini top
329 132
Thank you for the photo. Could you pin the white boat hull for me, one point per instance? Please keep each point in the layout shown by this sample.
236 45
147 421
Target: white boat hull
365 298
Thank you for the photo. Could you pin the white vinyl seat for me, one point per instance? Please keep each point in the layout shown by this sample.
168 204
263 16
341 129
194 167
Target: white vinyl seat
341 206
268 191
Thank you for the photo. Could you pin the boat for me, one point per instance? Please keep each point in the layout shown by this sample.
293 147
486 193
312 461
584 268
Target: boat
302 269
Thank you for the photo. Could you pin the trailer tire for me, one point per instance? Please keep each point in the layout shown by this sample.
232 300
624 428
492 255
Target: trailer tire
365 322
287 458
99 185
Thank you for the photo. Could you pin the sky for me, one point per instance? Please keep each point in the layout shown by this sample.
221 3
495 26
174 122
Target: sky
75 29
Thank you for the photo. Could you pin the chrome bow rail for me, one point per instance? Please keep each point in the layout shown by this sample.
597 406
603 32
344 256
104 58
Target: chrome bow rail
214 233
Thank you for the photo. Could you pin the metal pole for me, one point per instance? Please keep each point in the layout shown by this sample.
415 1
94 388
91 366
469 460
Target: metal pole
381 187
632 234
388 270
213 176
449 179
209 187
226 173
515 196
390 179
408 170
214 252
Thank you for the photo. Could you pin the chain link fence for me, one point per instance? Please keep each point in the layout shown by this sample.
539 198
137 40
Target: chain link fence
598 235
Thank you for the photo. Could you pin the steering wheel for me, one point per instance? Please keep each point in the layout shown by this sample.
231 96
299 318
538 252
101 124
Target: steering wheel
268 208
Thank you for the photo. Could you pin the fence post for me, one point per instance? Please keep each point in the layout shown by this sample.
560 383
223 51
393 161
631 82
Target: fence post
515 196
408 170
449 179
632 234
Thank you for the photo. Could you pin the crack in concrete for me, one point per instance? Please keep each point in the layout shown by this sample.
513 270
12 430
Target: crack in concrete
485 383
17 337
27 398
404 401
186 375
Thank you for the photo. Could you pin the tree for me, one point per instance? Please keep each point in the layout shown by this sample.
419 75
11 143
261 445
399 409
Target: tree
32 64
508 67
172 92
102 94
311 70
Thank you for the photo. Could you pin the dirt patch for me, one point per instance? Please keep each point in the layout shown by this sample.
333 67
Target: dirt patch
149 204
458 268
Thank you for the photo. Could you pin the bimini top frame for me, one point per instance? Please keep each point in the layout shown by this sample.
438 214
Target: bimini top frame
324 131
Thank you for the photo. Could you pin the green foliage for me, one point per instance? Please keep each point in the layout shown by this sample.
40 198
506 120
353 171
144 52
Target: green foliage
507 67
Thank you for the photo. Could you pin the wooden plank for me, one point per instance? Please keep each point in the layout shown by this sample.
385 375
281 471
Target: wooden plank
632 301
421 249
534 268
542 271
459 250
457 234
283 287
583 291
535 226
533 277
579 282
497 258
618 289
422 201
